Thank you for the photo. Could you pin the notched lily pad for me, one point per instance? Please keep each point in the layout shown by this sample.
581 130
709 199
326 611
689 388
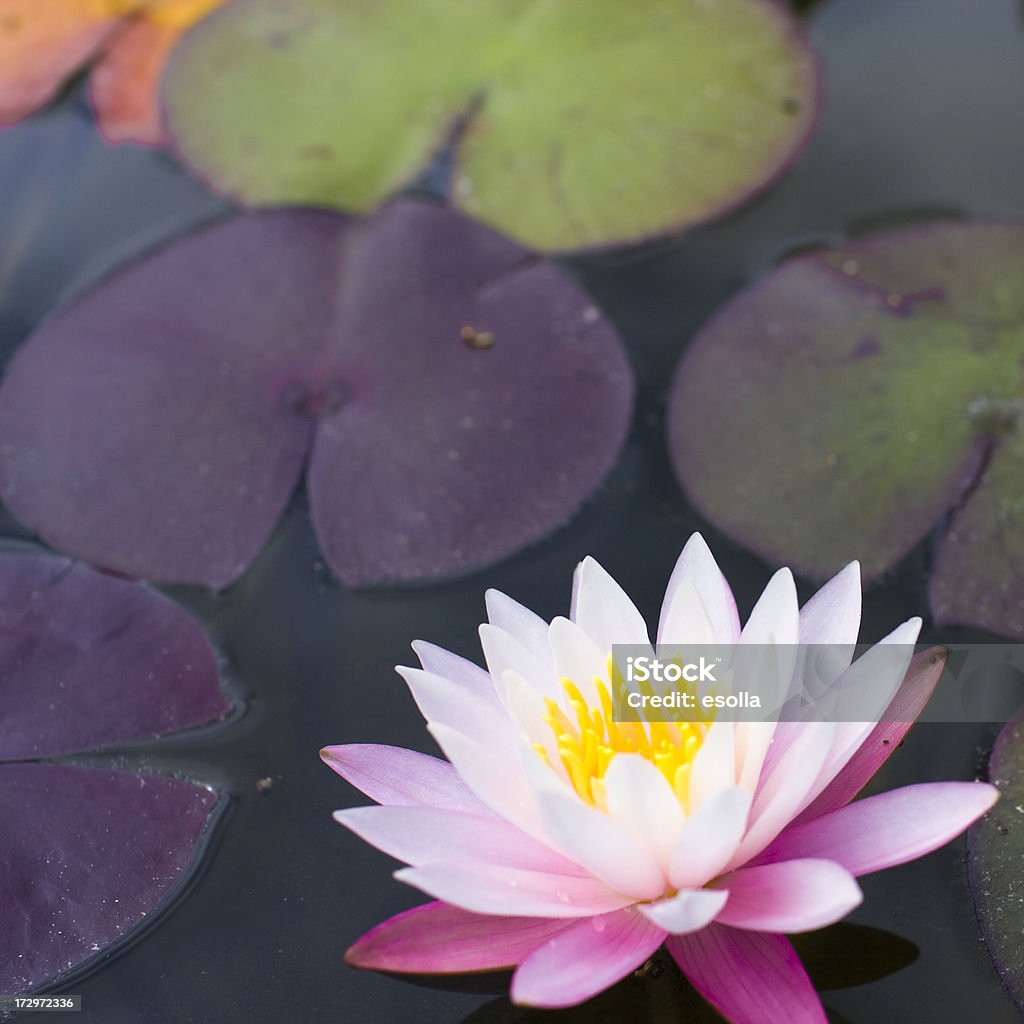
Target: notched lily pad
996 852
90 853
856 398
456 399
575 124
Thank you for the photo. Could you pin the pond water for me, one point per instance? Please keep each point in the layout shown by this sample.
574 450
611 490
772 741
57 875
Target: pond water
922 115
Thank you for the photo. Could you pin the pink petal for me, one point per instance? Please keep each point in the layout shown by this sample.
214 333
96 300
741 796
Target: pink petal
402 778
888 829
686 911
604 611
439 939
585 959
914 693
858 700
698 565
423 835
793 896
709 838
784 787
749 977
493 889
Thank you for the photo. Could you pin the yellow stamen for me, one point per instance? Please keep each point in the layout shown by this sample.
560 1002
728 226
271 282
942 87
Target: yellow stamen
587 738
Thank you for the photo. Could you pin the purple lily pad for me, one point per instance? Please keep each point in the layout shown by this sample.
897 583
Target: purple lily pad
456 397
90 853
996 852
857 397
89 661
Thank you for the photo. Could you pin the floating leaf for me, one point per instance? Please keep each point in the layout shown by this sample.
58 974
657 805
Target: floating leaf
455 397
574 124
44 42
847 403
89 662
89 853
996 850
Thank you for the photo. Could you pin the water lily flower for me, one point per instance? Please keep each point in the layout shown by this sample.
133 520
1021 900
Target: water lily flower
570 847
127 42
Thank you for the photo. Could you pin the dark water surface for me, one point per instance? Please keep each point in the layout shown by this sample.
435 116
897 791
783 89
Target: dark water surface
923 114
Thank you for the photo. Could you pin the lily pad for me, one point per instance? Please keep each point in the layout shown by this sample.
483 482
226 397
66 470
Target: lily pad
456 399
89 852
856 398
573 124
996 852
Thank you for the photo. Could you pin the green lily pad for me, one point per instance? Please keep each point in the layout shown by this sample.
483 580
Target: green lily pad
574 124
996 851
856 398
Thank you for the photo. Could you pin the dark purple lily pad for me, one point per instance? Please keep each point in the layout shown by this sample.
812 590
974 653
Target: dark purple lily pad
456 397
855 397
90 853
996 852
89 661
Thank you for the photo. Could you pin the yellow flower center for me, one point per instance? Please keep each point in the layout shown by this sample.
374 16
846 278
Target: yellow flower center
588 738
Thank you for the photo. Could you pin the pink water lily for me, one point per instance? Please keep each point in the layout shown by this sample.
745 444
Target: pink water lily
569 846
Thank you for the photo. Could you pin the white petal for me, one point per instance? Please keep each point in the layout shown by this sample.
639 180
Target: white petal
832 615
639 798
698 565
753 741
440 662
529 629
504 653
600 845
776 617
604 611
687 620
443 701
527 710
709 839
588 837
686 911
829 626
577 658
497 782
714 766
